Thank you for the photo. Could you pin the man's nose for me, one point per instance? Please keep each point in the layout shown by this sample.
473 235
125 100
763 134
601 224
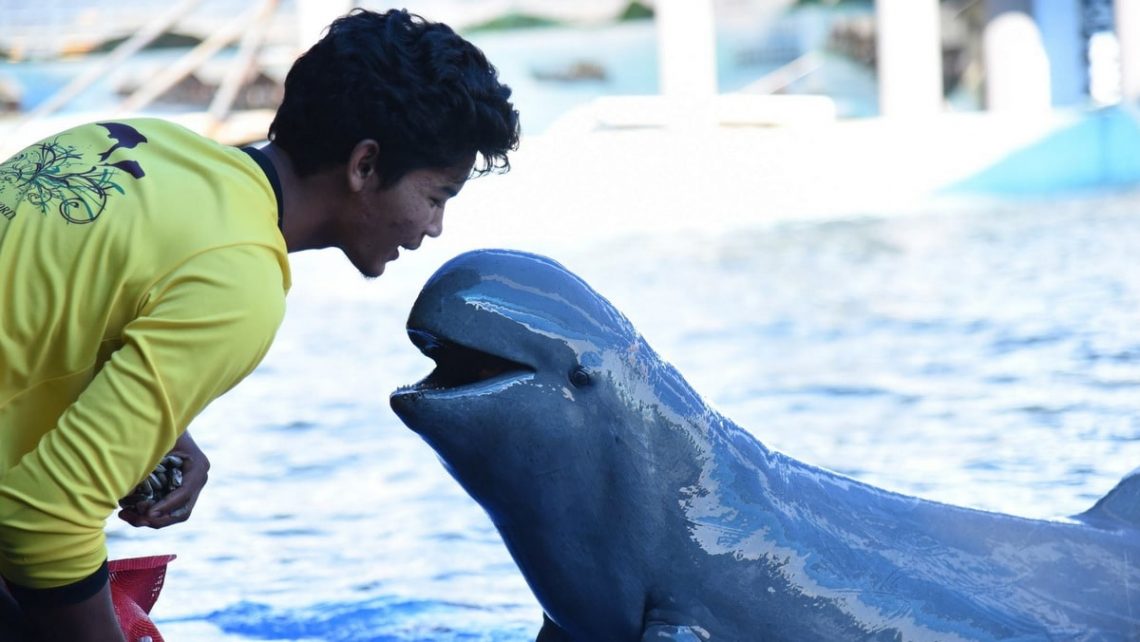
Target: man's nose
435 228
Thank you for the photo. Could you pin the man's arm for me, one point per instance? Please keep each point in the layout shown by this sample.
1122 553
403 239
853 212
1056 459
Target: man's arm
203 328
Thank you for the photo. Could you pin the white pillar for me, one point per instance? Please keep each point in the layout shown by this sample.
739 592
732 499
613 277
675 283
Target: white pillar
909 53
1017 68
313 16
1128 37
686 48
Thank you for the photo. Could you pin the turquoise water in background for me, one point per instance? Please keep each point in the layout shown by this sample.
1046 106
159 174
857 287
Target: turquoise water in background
985 356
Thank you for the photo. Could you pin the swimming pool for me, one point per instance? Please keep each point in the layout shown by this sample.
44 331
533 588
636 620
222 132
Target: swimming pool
984 356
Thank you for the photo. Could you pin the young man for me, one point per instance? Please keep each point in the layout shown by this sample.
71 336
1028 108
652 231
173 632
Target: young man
143 273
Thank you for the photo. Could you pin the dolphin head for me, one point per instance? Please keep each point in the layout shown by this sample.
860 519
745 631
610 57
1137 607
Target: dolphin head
553 413
531 368
544 393
585 449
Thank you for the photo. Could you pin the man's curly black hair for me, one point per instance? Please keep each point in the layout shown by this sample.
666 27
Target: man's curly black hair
426 95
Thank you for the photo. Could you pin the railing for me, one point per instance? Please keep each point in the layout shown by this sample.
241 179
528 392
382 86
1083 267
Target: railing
249 30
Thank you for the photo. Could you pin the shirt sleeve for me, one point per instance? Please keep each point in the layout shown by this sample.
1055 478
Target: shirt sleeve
201 329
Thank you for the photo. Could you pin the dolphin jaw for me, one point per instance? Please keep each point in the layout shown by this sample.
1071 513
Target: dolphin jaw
461 370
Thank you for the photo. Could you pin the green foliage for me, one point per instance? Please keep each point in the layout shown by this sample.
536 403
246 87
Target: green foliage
512 20
635 11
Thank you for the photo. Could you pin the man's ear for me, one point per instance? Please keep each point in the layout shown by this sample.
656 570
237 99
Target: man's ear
364 165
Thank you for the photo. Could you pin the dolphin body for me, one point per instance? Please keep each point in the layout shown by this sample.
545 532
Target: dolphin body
636 512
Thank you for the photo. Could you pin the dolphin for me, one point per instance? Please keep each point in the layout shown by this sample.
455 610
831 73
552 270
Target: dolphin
637 513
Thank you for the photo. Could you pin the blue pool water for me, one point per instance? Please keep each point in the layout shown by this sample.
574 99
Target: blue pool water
986 356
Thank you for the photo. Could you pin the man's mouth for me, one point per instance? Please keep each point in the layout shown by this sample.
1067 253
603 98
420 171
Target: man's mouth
458 366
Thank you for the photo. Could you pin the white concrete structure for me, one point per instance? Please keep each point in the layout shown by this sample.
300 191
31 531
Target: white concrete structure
1017 68
686 48
908 49
686 61
314 15
1128 34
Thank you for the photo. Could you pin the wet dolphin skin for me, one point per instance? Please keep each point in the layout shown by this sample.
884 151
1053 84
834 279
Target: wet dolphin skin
636 512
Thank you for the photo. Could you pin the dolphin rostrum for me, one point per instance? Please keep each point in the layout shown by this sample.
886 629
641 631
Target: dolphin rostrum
636 512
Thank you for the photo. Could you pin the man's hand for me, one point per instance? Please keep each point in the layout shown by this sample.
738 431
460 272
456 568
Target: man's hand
177 506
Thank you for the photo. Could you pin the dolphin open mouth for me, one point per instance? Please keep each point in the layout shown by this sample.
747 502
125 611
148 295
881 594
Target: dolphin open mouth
458 366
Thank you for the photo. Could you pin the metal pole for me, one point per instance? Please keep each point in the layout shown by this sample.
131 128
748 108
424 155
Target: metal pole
1060 24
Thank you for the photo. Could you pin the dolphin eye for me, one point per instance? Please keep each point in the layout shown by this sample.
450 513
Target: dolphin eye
580 377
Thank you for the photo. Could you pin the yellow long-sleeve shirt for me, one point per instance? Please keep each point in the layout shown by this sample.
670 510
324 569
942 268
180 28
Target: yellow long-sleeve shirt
142 274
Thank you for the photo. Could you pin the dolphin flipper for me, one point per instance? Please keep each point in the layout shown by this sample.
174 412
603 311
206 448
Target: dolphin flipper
669 633
1121 504
551 632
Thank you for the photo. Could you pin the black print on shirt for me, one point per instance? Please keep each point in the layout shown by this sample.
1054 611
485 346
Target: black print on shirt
54 175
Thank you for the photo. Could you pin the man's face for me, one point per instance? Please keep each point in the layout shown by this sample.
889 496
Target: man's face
401 215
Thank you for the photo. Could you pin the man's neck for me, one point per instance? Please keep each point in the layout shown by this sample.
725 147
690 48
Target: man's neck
308 202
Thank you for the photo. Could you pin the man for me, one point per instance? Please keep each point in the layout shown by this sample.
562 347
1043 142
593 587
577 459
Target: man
143 272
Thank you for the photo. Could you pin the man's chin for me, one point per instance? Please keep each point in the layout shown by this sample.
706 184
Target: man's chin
372 272
367 270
